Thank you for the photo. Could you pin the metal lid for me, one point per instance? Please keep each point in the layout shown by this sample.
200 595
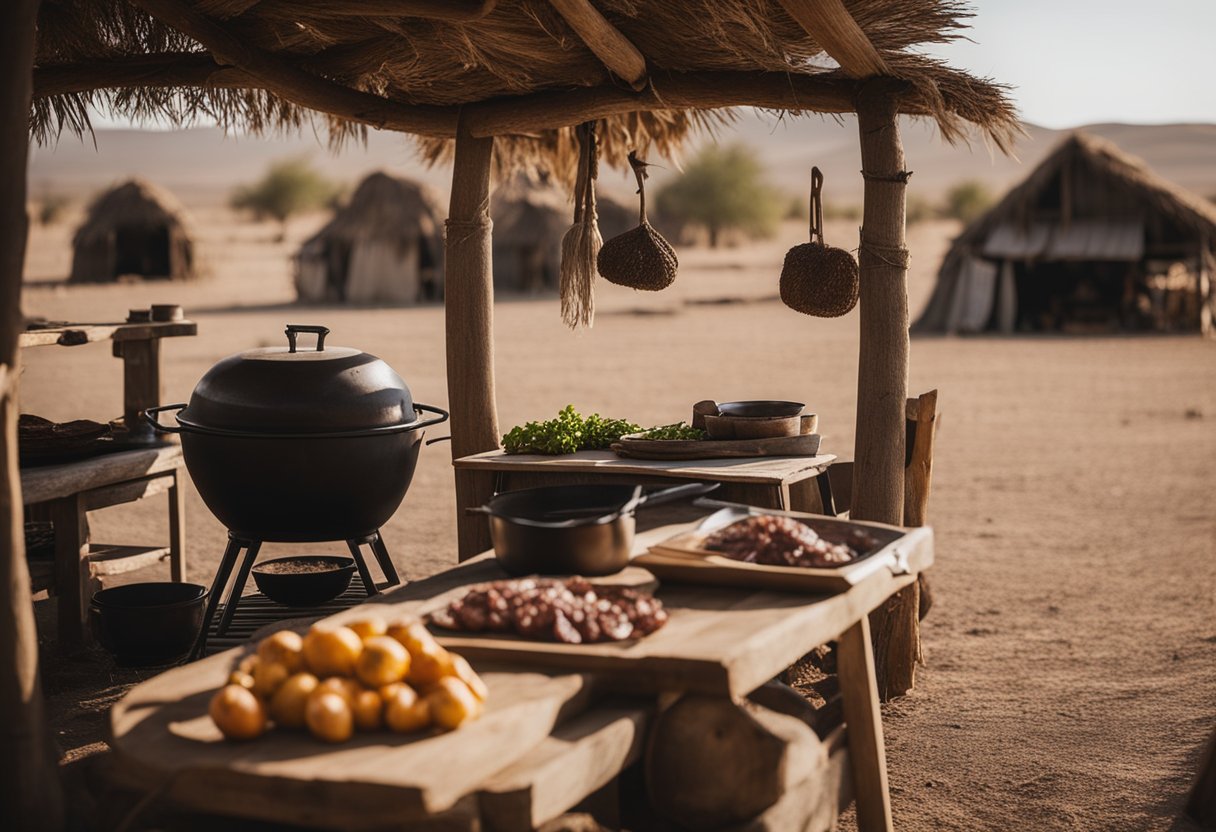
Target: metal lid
290 390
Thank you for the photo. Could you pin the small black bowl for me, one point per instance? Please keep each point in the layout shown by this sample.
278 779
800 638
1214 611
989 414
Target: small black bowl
304 589
760 408
149 623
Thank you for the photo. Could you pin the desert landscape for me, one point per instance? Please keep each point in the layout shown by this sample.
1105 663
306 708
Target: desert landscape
1071 652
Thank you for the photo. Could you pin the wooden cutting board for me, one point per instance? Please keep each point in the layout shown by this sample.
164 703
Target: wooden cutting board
628 446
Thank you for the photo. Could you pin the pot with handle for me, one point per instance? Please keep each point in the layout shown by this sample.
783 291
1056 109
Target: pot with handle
572 529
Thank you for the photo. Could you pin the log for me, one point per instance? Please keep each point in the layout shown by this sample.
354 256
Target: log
918 480
882 368
469 327
711 763
613 49
453 11
29 780
833 28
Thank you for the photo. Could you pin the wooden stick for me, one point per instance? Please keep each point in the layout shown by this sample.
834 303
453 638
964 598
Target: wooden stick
833 28
295 85
615 50
863 720
455 11
29 789
469 324
176 69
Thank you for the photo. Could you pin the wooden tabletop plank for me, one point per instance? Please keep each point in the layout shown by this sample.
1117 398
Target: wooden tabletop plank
75 334
163 739
767 470
49 482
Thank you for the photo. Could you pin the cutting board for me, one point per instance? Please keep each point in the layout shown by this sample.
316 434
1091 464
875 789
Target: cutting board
635 447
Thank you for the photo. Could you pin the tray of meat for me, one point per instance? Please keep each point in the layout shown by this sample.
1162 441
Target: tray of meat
765 549
567 610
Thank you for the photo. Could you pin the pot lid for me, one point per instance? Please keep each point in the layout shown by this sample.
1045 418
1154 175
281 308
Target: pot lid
294 388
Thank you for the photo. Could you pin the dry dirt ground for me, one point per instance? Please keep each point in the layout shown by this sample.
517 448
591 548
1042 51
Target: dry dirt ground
1071 655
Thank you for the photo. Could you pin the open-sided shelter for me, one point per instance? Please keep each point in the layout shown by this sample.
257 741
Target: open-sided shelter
1091 241
135 228
384 246
508 81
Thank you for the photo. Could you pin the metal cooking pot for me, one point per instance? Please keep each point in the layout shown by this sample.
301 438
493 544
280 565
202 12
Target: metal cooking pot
301 445
572 529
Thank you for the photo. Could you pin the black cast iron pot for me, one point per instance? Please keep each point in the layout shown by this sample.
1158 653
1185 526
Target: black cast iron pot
295 446
148 624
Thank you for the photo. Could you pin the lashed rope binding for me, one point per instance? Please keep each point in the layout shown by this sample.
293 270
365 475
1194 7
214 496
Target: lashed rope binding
581 244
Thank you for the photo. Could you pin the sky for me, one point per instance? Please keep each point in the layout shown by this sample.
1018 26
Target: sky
1074 62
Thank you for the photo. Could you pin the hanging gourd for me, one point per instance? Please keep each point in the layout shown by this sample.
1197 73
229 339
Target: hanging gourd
818 279
640 258
581 244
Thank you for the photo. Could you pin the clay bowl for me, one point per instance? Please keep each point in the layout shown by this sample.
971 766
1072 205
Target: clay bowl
752 427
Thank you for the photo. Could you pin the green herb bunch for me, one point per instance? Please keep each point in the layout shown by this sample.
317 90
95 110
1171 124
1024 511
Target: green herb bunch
568 433
679 430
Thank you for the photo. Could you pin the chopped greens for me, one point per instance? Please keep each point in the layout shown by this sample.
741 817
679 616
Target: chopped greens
568 433
679 430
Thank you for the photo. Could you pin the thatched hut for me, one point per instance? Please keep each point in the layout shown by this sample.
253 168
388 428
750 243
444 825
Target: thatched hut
1091 241
135 228
384 246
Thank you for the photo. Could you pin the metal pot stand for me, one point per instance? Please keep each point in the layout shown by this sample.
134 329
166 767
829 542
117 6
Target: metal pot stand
258 610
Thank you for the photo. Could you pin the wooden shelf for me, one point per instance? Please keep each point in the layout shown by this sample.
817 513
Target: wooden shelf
111 559
70 335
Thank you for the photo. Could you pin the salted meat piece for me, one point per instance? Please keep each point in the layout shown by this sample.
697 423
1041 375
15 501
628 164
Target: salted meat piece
778 541
573 611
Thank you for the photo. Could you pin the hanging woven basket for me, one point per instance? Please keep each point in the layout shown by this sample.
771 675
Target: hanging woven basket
818 279
639 258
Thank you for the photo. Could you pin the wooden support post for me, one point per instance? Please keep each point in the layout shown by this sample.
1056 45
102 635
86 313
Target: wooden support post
177 528
863 721
29 787
469 320
140 383
882 366
71 525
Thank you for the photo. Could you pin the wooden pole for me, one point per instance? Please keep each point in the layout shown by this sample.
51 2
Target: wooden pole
29 780
882 366
469 317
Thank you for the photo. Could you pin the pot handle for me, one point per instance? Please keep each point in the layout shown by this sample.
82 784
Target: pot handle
295 329
152 417
441 416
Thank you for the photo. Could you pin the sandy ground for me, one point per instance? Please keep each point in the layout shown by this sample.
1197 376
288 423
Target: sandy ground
1071 674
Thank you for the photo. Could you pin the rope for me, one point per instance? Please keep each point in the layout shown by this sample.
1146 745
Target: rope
901 176
895 256
459 231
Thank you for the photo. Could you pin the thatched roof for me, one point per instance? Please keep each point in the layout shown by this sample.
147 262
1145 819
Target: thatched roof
386 207
134 203
1090 156
530 210
649 71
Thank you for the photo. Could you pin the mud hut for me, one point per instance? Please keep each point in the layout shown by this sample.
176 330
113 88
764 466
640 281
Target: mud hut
135 228
530 214
1091 241
384 246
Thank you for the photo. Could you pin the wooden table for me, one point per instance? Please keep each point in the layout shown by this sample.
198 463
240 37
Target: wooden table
551 737
791 483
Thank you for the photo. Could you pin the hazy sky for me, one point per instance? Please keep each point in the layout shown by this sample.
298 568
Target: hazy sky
1073 62
1084 61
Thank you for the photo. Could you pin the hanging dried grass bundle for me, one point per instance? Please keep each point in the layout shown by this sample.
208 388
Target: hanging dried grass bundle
641 258
816 278
581 244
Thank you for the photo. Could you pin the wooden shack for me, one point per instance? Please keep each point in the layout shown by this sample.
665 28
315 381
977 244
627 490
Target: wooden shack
476 80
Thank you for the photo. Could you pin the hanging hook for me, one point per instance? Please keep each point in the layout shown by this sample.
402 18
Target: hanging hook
816 205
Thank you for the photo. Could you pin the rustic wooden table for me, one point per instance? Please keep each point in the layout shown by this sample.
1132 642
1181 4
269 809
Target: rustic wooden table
790 483
561 725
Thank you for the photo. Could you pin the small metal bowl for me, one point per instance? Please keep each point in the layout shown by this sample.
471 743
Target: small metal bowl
148 623
759 407
304 589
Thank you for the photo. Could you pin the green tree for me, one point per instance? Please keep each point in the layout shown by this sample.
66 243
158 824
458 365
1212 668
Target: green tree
290 186
51 208
724 188
967 200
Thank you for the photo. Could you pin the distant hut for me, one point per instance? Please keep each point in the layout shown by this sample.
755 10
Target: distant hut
530 214
1091 241
136 228
384 246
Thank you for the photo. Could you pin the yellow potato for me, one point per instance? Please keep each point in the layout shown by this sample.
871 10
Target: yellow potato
240 677
238 713
348 689
464 671
405 711
329 717
267 677
382 662
248 663
332 650
291 699
369 627
452 703
429 665
412 634
285 647
388 691
368 710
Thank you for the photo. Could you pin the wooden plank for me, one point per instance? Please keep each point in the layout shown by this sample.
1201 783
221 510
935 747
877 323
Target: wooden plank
112 559
577 760
72 579
74 334
613 49
833 28
163 739
859 694
126 492
50 482
668 450
767 470
177 531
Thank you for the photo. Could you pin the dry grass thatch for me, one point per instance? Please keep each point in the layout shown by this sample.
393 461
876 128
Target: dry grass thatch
134 207
385 207
111 55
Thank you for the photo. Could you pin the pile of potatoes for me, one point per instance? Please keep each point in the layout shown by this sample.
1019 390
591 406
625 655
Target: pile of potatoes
364 675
